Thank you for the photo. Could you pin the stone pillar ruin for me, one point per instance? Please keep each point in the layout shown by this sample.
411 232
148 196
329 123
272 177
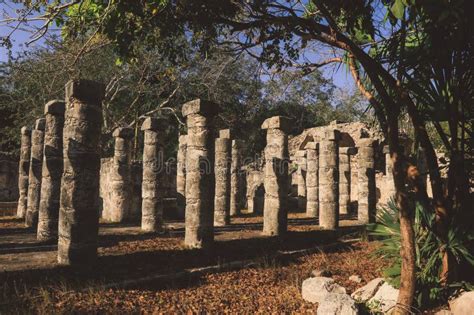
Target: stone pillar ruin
200 179
312 179
366 181
79 202
276 176
345 178
235 178
52 171
329 180
389 172
153 171
222 174
301 177
24 169
181 176
34 174
121 177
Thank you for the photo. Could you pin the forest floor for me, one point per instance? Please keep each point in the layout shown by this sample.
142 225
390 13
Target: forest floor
31 281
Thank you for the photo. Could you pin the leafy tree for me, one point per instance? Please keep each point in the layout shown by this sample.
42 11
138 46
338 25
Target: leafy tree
382 43
153 85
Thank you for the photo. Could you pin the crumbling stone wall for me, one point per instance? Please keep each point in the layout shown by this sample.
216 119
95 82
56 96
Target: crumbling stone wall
255 191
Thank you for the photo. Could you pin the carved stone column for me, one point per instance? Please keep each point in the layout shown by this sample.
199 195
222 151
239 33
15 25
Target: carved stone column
276 176
181 176
153 171
301 176
345 178
200 178
329 180
34 174
235 188
121 177
366 181
24 169
312 179
52 171
79 202
222 173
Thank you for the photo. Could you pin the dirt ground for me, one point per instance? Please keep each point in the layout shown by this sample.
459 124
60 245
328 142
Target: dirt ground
33 282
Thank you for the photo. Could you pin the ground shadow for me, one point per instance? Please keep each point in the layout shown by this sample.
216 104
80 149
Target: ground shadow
116 268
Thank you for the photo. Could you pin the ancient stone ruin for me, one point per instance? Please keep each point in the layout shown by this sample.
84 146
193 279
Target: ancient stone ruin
34 174
222 173
52 171
329 173
276 176
200 180
23 177
153 171
79 202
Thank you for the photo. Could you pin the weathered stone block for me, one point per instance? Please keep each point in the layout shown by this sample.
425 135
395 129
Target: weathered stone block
55 107
85 91
277 122
123 132
156 124
365 293
225 133
40 124
315 289
201 107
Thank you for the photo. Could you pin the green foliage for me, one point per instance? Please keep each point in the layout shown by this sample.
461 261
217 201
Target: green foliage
460 245
138 87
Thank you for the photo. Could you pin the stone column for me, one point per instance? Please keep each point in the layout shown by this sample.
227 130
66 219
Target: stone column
222 173
52 171
301 179
200 178
389 173
235 178
366 181
153 171
121 177
312 179
328 180
24 169
345 179
79 202
181 176
34 174
276 176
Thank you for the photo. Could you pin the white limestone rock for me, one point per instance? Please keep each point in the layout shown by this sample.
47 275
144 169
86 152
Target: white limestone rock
315 289
355 278
385 299
366 292
337 304
463 304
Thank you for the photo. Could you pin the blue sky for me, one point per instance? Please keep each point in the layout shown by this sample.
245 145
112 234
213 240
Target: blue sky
19 38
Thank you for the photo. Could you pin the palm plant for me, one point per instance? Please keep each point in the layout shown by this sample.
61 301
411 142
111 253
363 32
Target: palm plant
460 244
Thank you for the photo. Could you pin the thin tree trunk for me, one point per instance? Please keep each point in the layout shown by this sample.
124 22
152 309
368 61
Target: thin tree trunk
406 214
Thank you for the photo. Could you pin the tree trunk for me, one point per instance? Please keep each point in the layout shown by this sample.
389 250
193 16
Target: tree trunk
407 234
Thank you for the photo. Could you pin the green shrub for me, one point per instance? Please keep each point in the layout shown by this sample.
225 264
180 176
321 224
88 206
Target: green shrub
428 256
